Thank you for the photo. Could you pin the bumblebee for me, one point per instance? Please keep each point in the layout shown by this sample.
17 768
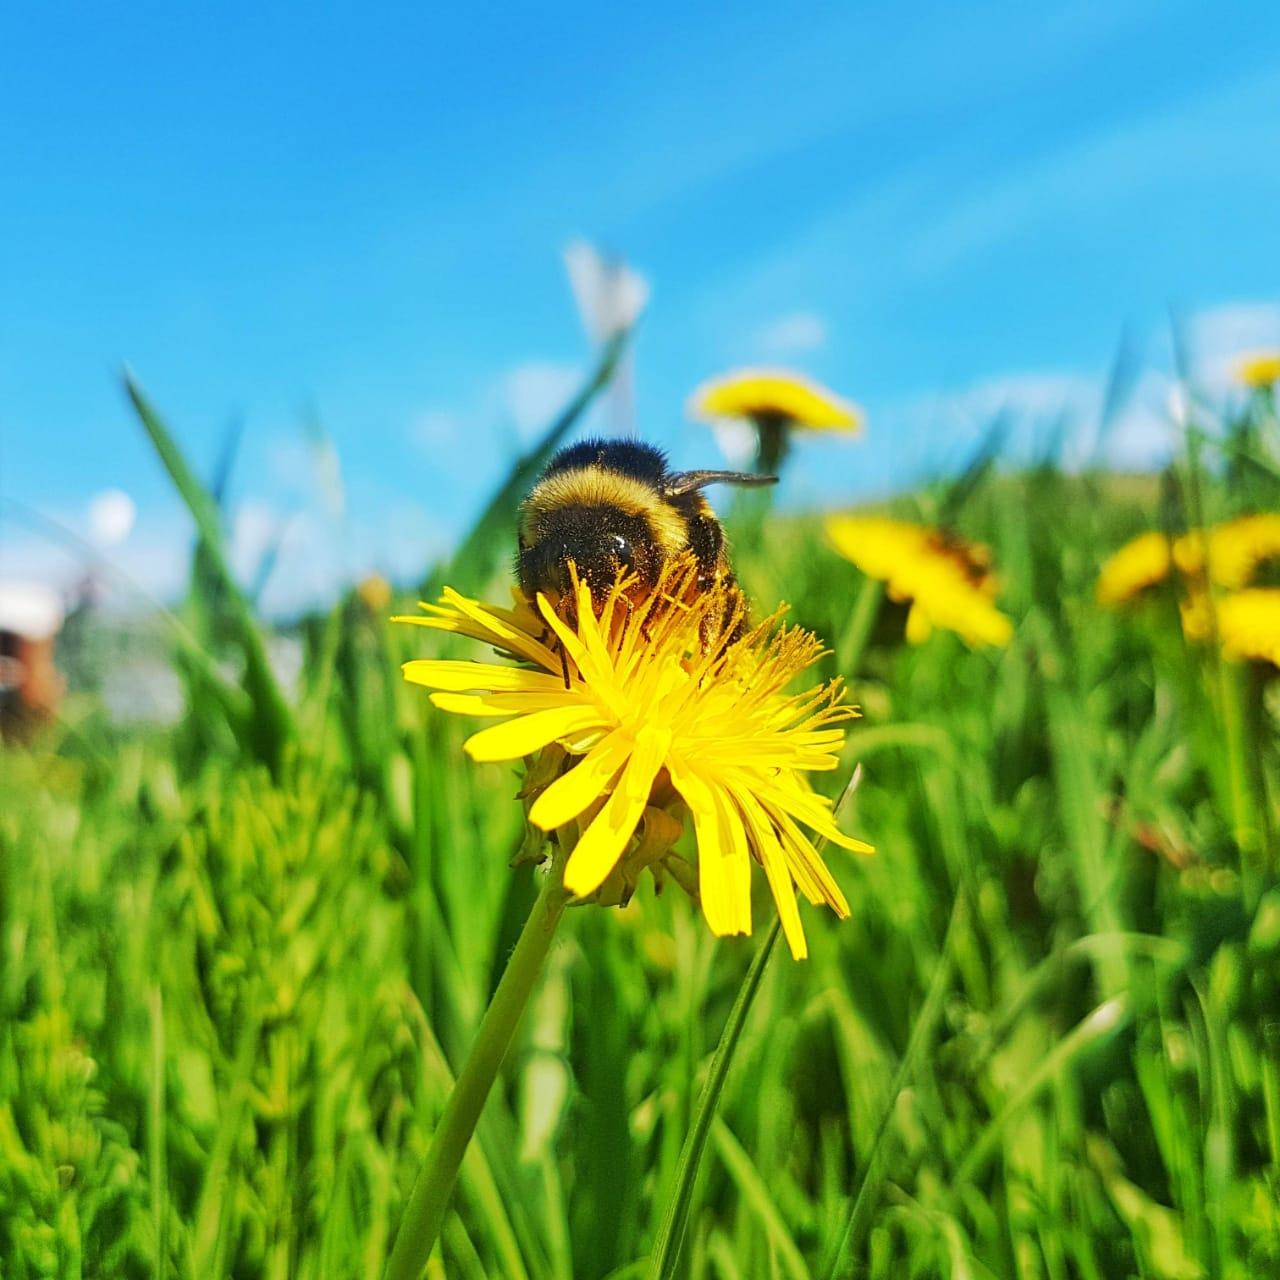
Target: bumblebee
613 506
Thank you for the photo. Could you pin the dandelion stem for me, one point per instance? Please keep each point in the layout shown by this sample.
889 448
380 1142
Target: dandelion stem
424 1214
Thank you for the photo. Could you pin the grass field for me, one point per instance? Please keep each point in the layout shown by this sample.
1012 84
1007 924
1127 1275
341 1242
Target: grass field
242 959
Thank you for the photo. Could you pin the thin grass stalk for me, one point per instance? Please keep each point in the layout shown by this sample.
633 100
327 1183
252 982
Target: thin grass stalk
159 1177
666 1251
873 1177
424 1215
271 712
853 640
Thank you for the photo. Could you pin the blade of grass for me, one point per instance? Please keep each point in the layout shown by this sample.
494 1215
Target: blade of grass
158 1174
666 1252
752 1186
873 1177
1108 1018
272 718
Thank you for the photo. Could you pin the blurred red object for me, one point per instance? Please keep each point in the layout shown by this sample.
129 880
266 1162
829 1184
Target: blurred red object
31 686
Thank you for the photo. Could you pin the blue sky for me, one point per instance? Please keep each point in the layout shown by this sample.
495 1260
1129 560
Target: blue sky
289 213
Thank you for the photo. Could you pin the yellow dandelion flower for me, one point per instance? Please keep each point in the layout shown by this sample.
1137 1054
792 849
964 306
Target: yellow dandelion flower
765 395
1259 369
374 592
948 582
654 709
1249 624
1237 549
1141 563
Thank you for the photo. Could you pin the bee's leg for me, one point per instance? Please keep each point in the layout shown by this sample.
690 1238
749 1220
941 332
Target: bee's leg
706 541
564 665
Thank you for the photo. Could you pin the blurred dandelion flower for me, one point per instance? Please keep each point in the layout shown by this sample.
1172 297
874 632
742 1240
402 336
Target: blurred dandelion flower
1143 562
1231 553
657 708
1259 369
1247 623
948 582
775 402
766 393
374 592
1237 549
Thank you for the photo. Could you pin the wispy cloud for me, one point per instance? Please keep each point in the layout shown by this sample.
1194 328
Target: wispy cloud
433 429
791 334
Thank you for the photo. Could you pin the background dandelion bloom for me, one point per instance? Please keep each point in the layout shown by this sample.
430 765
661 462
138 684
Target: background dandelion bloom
656 703
1231 553
764 394
1259 369
1247 623
1237 549
1142 563
947 581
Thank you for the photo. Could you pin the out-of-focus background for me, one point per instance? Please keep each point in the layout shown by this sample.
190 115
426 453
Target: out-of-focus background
294 304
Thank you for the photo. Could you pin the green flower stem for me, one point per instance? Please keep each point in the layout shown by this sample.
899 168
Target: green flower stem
773 438
424 1214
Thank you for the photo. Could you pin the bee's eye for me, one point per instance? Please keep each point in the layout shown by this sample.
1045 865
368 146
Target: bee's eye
622 550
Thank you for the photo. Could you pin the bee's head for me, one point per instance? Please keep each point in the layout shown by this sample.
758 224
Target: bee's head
599 541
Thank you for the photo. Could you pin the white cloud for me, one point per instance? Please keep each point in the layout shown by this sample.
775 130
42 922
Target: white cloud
791 333
1041 413
1030 406
111 517
928 218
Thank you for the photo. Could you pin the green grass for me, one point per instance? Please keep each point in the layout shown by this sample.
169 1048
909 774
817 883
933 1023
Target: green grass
241 960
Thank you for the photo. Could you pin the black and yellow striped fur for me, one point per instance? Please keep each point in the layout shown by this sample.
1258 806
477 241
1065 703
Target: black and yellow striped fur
609 506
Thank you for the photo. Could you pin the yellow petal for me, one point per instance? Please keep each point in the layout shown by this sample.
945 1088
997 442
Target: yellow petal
813 811
810 872
502 626
602 843
496 704
574 792
724 865
466 677
527 734
573 646
919 628
765 842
